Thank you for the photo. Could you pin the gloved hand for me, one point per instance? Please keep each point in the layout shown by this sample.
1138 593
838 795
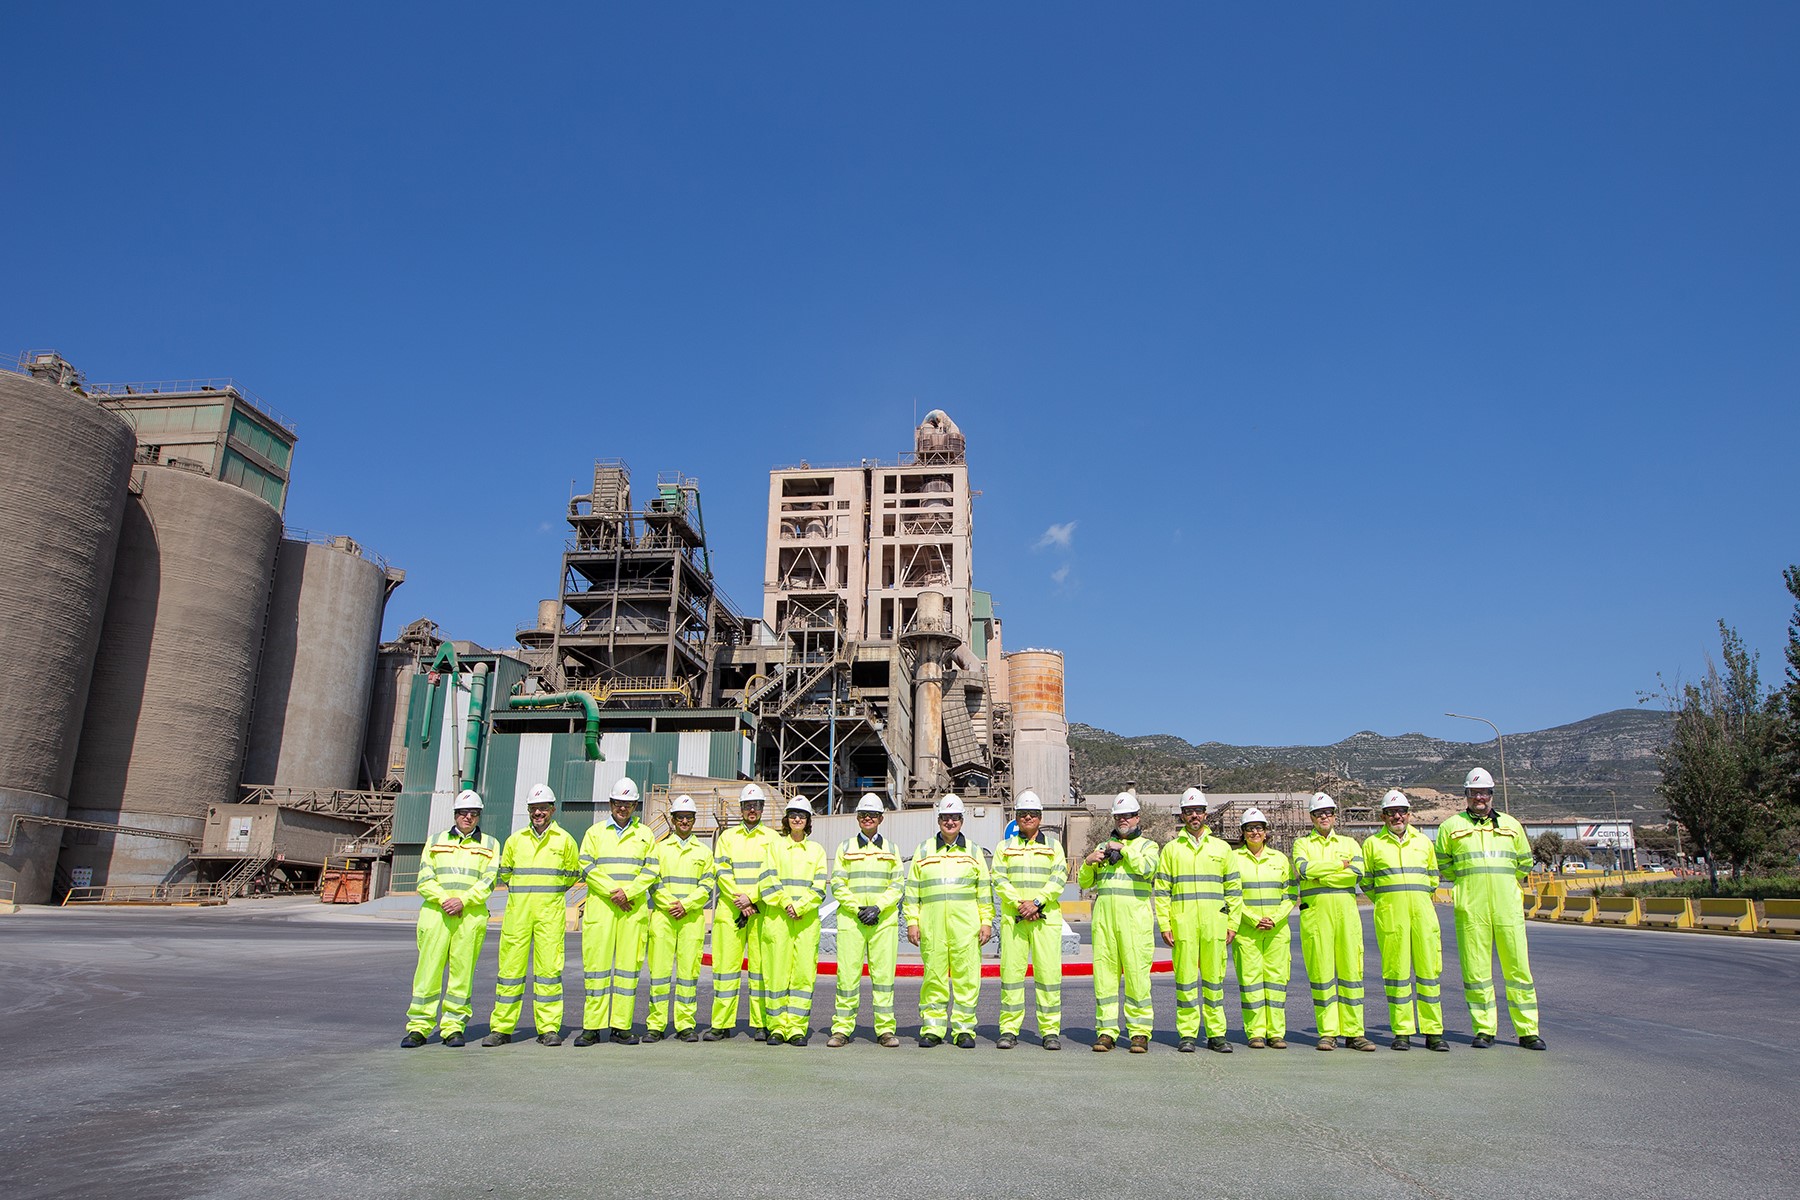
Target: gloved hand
741 921
868 914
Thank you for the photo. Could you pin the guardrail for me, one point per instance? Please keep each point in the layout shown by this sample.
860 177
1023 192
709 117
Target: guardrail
147 893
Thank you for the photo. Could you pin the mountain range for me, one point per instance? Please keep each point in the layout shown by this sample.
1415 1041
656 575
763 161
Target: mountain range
1570 770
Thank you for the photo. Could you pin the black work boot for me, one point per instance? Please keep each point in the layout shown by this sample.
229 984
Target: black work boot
587 1037
496 1039
1218 1045
413 1040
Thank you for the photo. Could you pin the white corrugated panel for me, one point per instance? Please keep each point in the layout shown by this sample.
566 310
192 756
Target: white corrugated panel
749 753
534 768
693 755
450 734
441 802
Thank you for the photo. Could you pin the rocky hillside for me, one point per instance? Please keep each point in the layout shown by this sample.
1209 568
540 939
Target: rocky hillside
1551 772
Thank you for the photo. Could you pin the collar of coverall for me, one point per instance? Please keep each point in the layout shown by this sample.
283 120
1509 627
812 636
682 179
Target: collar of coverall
474 835
863 839
1036 839
958 841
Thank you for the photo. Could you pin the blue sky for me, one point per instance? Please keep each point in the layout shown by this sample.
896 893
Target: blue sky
1370 361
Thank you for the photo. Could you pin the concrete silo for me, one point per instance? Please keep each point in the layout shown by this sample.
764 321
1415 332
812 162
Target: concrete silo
318 665
169 709
1040 727
64 465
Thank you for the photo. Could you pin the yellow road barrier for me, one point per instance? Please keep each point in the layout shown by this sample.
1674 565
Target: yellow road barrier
1550 908
1781 916
1578 909
1738 916
1616 910
1668 912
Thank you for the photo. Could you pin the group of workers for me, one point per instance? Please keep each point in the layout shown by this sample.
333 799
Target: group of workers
647 899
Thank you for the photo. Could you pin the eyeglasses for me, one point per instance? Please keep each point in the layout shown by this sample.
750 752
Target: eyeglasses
949 818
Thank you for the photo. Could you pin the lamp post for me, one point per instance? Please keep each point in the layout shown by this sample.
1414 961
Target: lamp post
1505 800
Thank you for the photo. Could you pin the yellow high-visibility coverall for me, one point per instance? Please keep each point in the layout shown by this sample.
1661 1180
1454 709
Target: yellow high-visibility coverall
741 865
1264 957
791 944
866 874
1197 901
684 876
612 937
453 867
1034 871
949 896
1399 875
537 873
1124 922
1331 934
1484 862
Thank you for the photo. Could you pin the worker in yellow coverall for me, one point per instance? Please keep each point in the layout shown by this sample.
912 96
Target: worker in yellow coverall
456 874
1197 901
1327 869
867 883
1484 856
538 866
684 881
791 902
1400 874
1121 872
1263 951
949 917
741 866
1030 872
615 922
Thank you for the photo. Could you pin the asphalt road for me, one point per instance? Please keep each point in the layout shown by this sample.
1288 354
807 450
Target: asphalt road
251 1051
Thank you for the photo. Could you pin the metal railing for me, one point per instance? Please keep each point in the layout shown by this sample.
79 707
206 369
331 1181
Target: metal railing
224 386
147 893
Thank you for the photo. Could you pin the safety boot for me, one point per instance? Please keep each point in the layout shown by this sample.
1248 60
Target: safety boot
1328 1043
690 1034
1435 1041
1361 1043
1053 1043
1218 1045
413 1040
1140 1044
1482 1041
759 1035
1103 1043
552 1038
797 1039
496 1039
928 1040
587 1037
1005 1041
1258 1043
965 1041
454 1038
1185 1045
653 1035
1532 1041
888 1040
1276 1043
836 1040
715 1034
1401 1043
624 1037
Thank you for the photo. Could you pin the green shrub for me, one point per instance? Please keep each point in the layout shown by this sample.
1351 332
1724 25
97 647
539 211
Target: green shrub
1750 887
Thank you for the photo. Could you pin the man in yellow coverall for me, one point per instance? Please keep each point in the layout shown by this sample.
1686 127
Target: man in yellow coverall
1197 902
615 921
1263 951
538 866
1121 872
1399 875
456 874
949 917
867 883
1484 856
1327 869
1030 872
741 866
684 880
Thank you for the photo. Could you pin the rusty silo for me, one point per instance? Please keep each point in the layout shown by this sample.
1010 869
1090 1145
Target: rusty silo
64 466
169 708
1040 724
318 665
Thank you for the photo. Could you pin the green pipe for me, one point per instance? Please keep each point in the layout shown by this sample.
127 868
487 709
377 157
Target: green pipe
564 700
428 719
472 739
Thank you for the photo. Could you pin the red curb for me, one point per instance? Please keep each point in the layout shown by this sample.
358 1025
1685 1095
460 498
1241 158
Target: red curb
988 970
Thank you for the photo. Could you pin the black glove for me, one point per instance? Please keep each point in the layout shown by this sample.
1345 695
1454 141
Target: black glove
868 914
741 921
1113 855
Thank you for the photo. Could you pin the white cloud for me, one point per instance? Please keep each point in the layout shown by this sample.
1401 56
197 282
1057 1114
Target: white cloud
1060 536
1061 574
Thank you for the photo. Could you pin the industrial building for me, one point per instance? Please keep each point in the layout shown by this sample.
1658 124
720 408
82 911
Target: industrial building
197 664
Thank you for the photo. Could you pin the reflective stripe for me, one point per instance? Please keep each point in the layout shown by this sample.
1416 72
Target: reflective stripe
546 888
1265 883
1385 889
1328 891
510 981
551 871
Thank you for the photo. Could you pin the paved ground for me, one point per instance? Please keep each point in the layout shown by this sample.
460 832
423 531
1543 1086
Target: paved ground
251 1051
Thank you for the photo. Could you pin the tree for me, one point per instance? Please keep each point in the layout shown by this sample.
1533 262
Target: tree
1548 848
1720 762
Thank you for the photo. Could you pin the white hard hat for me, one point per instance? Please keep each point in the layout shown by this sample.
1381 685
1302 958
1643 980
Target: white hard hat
1395 799
1252 816
1478 778
1124 804
751 795
540 793
1028 802
1193 798
624 791
799 803
950 806
870 803
1320 801
683 804
467 799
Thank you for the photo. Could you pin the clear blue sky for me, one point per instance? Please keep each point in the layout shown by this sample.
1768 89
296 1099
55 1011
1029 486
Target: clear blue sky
1385 359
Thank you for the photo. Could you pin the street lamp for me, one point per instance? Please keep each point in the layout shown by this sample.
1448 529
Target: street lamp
1505 800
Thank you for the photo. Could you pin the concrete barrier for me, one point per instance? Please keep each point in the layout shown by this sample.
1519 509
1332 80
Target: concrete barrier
1667 912
1578 909
1734 916
1781 916
1549 907
1616 910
